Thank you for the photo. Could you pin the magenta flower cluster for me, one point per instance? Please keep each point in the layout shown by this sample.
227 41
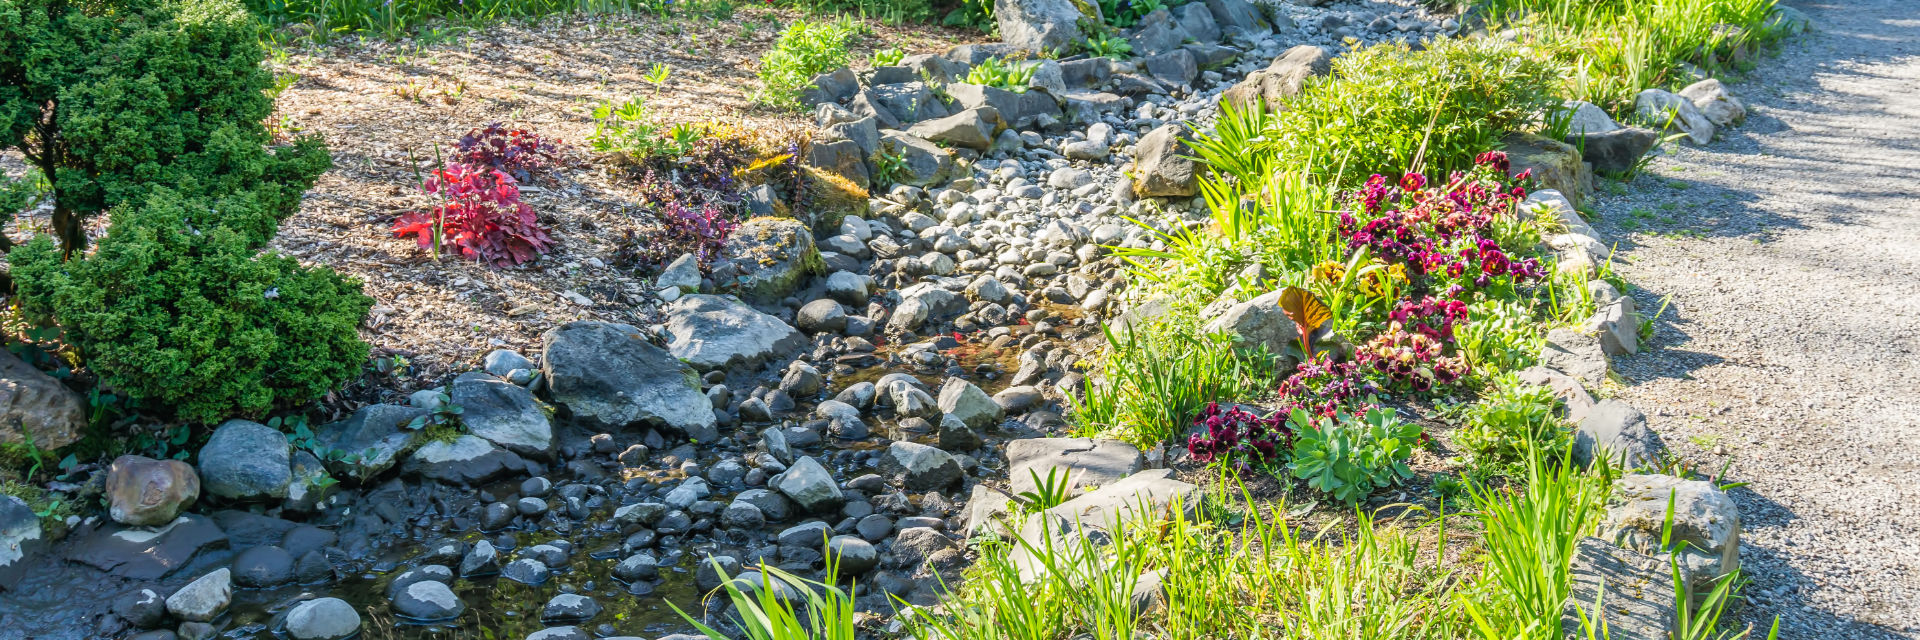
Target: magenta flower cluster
1441 231
1237 434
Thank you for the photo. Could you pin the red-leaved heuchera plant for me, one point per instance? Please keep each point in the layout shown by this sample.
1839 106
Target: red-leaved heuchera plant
480 215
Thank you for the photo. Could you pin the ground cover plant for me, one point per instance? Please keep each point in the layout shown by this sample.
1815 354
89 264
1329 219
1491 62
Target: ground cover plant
805 49
1609 51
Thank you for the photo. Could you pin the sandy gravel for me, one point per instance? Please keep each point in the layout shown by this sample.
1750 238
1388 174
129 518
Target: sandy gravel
1791 252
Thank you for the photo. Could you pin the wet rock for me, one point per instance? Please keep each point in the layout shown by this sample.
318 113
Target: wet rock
143 608
847 288
1618 431
1081 462
708 575
148 553
482 560
467 460
914 546
859 394
263 567
569 633
426 601
311 485
370 441
423 573
843 419
607 374
1017 399
921 467
637 567
809 485
142 491
323 619
203 599
689 491
246 460
36 407
1044 25
716 333
20 539
505 414
775 506
1281 80
853 555
569 607
526 571
802 380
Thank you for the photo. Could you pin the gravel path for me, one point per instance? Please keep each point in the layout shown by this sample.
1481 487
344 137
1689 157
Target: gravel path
1791 252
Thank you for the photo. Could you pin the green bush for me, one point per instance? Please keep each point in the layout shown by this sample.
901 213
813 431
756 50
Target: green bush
1385 103
1350 456
1497 432
179 309
110 99
806 49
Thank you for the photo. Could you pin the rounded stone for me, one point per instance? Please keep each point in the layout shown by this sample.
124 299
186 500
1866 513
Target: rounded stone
322 619
263 567
428 600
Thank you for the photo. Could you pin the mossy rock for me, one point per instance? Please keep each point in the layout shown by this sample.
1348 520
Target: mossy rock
771 256
831 198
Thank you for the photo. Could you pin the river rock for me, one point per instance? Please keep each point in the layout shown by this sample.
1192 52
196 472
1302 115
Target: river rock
921 467
853 554
810 486
955 435
822 316
965 401
263 567
246 460
142 491
569 607
1715 102
323 619
716 333
772 255
370 441
505 414
609 375
203 599
34 406
428 600
467 460
1095 514
20 539
141 553
923 162
972 128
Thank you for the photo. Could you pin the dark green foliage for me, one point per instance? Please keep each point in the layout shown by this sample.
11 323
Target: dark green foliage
178 308
112 98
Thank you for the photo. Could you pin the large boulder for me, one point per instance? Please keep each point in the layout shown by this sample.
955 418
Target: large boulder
1162 166
145 492
769 256
1044 25
36 407
608 374
246 460
147 553
368 442
1704 531
1555 165
1661 108
1081 462
718 333
1197 21
505 414
1284 78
